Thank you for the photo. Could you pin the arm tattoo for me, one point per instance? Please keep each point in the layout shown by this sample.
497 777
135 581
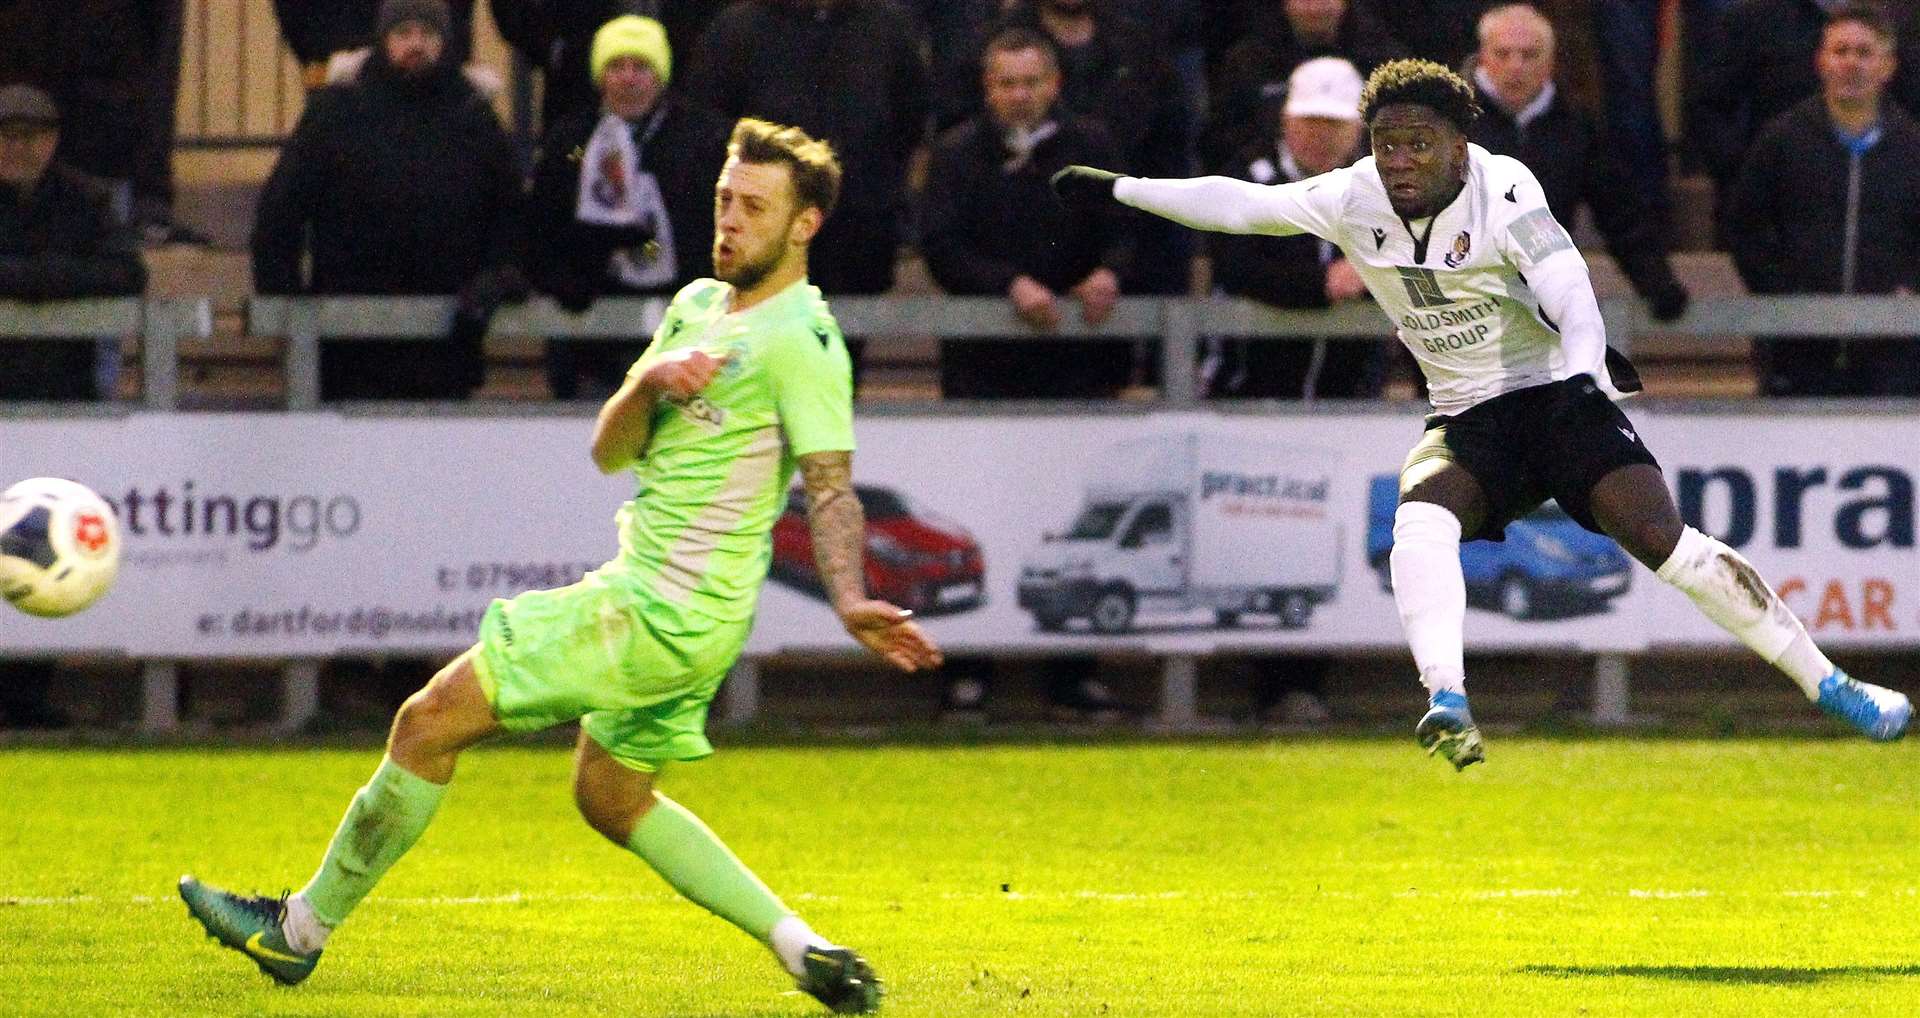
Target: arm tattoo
838 525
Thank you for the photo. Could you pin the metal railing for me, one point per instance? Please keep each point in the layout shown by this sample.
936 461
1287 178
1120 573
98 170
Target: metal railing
1177 323
160 323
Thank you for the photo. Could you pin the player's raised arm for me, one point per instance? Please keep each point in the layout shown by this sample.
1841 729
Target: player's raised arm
1219 204
626 420
839 528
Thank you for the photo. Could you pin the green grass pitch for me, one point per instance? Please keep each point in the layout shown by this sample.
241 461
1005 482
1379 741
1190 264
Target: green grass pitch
1302 877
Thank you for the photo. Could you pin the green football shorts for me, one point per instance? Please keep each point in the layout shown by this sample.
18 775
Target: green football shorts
638 671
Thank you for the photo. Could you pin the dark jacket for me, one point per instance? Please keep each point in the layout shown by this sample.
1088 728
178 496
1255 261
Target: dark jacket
853 74
408 187
1788 224
1250 82
1437 30
556 36
316 29
568 258
1123 79
956 31
1286 272
87 55
987 222
61 241
984 224
1788 217
393 186
1283 271
1562 147
1762 66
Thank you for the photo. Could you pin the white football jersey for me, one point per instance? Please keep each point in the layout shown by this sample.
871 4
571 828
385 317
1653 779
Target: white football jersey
1490 295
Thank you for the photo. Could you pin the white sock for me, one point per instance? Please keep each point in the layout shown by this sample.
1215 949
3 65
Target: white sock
1431 593
304 931
1727 590
790 939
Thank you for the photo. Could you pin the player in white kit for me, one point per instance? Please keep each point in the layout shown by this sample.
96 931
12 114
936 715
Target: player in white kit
1494 301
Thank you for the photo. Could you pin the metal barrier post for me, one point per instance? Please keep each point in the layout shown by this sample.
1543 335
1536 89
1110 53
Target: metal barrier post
299 694
1620 317
159 355
1179 693
303 354
159 697
1610 692
742 689
1179 352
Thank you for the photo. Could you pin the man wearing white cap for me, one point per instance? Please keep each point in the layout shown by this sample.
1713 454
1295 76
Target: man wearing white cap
621 203
1319 130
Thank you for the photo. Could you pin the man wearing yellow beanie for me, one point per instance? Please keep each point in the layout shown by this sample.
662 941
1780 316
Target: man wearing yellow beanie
621 198
633 36
556 40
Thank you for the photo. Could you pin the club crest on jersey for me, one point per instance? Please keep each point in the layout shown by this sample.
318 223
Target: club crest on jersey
1462 244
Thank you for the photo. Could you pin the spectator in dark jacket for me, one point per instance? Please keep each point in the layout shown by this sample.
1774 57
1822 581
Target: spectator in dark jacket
1319 131
1437 30
1250 83
86 54
992 228
556 37
59 239
620 201
162 31
1525 116
1761 66
1118 73
956 31
850 72
317 29
1828 202
400 182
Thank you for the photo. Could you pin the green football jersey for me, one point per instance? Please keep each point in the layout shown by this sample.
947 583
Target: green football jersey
715 471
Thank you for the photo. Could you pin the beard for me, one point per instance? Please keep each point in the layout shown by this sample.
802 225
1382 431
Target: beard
745 275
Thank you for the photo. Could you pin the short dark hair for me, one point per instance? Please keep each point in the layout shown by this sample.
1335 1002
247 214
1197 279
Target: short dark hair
1423 83
1872 17
816 170
1019 39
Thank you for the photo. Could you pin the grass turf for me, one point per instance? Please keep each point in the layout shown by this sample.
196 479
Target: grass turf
1307 877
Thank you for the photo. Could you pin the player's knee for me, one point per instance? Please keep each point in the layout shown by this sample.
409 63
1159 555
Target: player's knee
1425 523
1649 539
611 812
419 725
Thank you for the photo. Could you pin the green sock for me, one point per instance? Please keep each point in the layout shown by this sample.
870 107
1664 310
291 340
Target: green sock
385 819
691 857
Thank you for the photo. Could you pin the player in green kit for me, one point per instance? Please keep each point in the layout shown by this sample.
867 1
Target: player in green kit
747 379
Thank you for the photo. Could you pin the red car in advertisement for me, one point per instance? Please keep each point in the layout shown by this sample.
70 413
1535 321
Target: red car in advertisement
915 558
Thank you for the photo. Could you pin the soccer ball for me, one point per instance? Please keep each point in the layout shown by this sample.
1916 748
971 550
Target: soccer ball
59 546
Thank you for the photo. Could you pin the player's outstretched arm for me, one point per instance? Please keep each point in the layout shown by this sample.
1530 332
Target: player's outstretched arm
839 538
626 420
1220 204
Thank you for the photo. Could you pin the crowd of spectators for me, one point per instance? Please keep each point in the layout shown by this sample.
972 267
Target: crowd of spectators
949 115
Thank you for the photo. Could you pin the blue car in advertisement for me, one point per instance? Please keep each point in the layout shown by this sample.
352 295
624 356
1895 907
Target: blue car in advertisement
1548 567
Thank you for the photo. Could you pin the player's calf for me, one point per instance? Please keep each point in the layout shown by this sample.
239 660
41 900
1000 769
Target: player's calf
1728 590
